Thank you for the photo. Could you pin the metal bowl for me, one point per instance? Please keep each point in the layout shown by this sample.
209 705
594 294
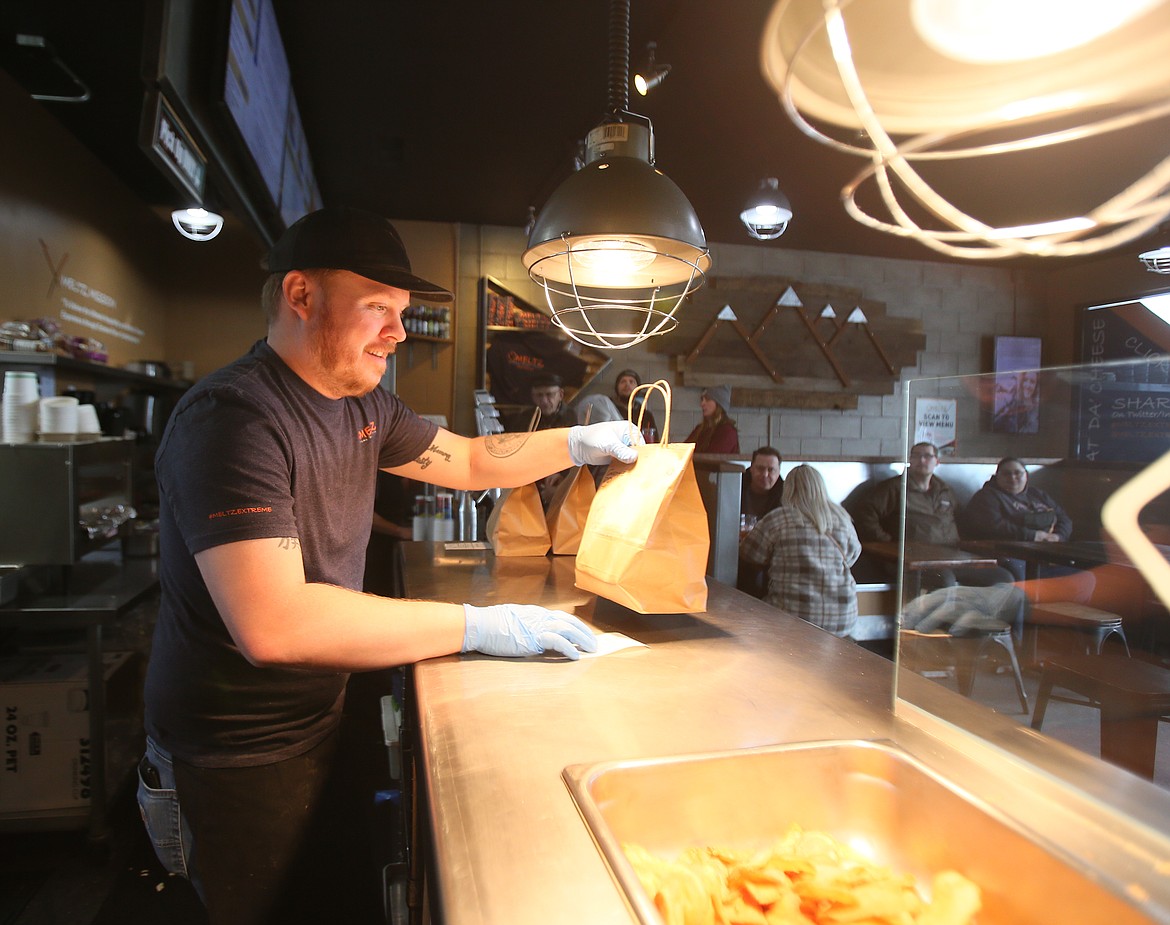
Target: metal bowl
860 792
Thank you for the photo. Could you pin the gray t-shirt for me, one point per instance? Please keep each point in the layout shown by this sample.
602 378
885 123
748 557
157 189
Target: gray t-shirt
252 451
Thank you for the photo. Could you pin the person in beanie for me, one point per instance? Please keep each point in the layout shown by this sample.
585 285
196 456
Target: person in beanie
625 383
716 433
266 475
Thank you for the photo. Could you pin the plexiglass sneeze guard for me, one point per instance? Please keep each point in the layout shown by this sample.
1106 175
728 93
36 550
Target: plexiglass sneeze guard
1049 607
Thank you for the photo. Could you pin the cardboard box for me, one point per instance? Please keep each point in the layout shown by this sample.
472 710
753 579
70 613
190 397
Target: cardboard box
44 708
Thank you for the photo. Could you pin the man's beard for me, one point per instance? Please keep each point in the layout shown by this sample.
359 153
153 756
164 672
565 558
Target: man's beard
342 377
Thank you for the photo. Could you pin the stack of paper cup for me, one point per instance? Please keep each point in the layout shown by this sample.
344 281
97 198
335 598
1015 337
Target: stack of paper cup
59 417
21 393
87 421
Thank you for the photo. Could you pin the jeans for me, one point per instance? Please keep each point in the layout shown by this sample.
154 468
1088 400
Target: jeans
158 804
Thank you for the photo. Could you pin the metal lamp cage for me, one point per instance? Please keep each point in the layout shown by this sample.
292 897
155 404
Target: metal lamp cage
609 318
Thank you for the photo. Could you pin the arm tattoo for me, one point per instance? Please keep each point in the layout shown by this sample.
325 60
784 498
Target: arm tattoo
425 460
288 542
504 445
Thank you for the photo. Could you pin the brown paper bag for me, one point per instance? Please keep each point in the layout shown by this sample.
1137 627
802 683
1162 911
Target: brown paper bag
568 510
516 525
645 544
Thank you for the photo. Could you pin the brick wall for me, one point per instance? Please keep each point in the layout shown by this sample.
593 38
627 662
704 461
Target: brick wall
961 308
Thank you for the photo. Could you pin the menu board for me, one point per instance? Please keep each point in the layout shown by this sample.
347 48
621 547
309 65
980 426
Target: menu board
1122 411
259 96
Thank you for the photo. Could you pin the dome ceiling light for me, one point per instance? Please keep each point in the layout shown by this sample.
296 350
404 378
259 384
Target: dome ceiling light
768 212
197 224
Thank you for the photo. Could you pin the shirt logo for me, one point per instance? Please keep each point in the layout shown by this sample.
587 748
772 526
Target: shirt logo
367 432
237 511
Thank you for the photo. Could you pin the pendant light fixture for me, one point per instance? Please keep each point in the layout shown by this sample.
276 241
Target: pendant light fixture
1157 260
617 247
768 212
197 224
994 84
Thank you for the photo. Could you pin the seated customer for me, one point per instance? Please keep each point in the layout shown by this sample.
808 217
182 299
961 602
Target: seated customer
759 495
1007 508
762 484
807 546
931 511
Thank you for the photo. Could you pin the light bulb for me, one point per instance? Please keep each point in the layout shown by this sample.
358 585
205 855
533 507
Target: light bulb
610 261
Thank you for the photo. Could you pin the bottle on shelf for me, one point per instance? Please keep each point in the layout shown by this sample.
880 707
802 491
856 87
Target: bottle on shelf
427 321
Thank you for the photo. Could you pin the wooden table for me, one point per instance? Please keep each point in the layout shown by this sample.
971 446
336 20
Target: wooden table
1079 554
927 557
1131 694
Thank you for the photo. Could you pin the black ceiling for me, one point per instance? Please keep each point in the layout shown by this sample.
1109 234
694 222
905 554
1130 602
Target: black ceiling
469 111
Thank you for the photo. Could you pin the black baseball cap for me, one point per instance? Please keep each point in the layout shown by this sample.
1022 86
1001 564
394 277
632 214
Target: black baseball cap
354 240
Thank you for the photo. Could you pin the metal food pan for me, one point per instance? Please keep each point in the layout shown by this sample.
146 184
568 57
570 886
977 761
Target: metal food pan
860 792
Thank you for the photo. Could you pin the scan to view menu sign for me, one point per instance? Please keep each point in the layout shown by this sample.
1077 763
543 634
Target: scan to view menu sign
1123 409
934 422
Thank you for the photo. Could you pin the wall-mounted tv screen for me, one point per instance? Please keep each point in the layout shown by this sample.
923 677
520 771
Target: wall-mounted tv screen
257 92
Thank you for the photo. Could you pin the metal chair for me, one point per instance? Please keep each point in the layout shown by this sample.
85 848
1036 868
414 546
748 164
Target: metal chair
958 655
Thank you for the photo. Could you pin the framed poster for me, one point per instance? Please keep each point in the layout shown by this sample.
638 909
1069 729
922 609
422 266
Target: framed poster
934 422
1016 409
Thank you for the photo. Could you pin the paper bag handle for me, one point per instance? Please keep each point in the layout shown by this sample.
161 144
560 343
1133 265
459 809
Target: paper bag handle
661 386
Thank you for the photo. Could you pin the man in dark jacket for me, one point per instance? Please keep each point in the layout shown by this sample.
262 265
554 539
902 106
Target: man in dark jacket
762 484
760 494
930 504
931 512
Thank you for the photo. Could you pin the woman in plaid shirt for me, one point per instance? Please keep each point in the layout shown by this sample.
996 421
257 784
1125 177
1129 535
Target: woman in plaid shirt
807 545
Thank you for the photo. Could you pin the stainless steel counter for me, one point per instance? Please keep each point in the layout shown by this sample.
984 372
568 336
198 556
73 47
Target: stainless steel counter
495 734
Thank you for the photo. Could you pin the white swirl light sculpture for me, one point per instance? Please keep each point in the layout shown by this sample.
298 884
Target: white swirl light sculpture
904 83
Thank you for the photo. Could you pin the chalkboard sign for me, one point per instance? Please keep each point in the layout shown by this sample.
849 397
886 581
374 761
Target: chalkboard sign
1122 404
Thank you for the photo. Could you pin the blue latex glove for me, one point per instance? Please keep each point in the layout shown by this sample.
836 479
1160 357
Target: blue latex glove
516 630
595 444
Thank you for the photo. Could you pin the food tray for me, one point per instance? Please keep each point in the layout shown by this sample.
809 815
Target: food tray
865 793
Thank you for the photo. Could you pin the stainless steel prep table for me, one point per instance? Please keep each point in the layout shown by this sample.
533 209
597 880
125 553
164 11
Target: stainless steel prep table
494 735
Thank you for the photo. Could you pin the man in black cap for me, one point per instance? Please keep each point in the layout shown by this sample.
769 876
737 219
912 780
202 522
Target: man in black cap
548 395
266 476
